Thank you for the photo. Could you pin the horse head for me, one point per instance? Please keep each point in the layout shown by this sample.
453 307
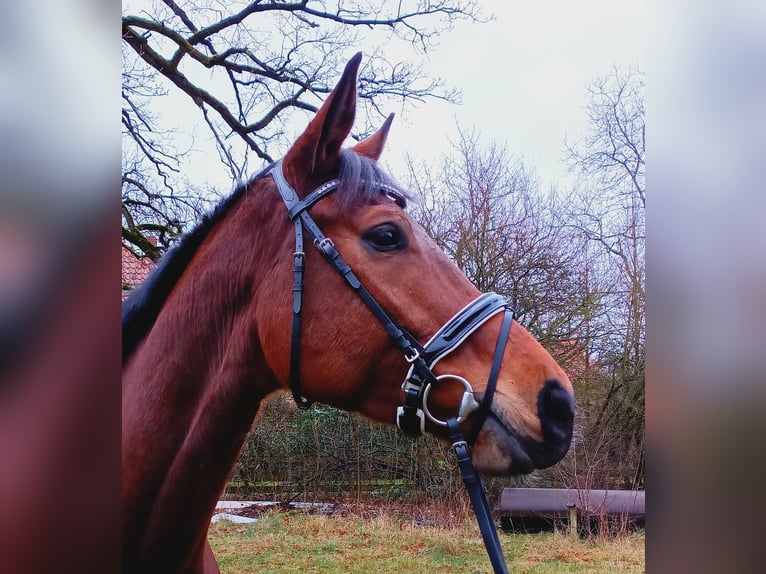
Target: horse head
348 358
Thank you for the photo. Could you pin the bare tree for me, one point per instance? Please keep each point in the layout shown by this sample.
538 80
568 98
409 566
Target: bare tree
154 209
611 154
608 205
251 67
608 208
155 214
485 209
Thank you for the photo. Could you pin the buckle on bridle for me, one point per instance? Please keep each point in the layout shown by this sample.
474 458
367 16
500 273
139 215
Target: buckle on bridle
412 358
325 245
457 444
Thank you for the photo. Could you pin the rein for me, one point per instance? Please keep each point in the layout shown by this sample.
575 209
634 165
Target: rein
421 358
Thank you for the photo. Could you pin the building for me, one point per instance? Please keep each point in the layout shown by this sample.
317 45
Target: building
134 271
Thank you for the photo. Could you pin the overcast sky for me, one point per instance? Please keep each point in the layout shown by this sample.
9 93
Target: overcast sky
524 76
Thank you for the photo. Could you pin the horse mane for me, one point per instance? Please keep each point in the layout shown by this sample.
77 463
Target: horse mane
140 310
359 179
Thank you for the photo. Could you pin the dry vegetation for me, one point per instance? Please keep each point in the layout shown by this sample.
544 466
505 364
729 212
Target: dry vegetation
377 541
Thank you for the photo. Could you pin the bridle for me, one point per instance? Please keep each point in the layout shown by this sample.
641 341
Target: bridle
420 378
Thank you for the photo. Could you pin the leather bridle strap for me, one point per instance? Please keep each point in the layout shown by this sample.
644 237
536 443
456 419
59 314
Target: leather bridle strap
299 265
420 377
422 359
460 445
298 211
494 372
476 491
473 482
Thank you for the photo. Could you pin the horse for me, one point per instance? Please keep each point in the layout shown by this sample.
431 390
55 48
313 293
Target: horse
240 309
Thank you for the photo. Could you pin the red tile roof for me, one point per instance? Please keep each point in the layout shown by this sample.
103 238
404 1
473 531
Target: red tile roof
134 271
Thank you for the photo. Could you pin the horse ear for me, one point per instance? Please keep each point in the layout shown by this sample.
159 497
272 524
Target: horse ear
317 150
372 146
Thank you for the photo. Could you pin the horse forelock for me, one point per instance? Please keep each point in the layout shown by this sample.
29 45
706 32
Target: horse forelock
360 179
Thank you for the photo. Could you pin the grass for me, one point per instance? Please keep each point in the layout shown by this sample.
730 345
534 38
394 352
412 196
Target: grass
282 542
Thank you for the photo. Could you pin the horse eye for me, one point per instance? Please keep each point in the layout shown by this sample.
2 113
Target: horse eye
386 237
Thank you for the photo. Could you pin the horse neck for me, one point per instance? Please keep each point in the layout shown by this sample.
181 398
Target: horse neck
193 387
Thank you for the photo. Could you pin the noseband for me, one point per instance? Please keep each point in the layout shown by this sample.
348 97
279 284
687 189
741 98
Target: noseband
411 416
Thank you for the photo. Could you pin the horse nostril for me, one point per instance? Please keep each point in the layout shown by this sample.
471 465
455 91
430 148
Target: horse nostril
555 407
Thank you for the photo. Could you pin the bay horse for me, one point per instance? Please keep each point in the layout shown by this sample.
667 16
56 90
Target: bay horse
239 310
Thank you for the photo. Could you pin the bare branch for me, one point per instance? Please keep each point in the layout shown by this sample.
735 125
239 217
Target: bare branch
276 57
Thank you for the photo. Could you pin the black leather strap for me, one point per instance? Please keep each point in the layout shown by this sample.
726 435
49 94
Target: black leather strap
299 265
293 202
476 491
410 417
494 372
297 209
422 358
319 193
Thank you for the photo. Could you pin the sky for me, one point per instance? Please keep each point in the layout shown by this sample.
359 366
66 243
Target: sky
523 77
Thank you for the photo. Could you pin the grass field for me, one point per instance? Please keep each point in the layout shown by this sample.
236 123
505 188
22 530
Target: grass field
282 542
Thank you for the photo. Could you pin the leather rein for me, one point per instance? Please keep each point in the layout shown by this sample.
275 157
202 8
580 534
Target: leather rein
420 378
